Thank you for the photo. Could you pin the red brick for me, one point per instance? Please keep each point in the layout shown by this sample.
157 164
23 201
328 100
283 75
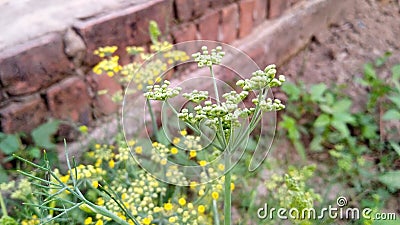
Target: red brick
34 65
185 32
219 3
246 8
103 105
229 23
23 116
277 7
70 100
209 26
187 10
124 27
260 11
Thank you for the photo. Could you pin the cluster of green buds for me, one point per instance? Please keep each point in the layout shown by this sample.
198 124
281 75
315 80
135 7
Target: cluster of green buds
269 105
207 59
161 92
262 79
196 96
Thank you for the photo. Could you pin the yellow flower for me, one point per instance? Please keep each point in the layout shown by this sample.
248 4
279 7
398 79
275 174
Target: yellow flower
232 186
172 219
168 206
65 178
83 129
163 161
131 143
203 163
183 132
192 154
100 201
182 201
221 167
174 151
201 209
215 195
146 221
111 163
99 222
95 184
88 221
124 196
157 209
176 140
139 150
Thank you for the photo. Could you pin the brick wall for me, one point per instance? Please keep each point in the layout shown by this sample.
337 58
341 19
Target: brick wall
50 76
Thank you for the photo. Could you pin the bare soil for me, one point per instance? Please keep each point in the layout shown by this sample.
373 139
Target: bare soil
337 54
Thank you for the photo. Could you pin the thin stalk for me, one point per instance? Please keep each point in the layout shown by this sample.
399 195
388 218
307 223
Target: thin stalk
228 194
152 116
215 211
3 206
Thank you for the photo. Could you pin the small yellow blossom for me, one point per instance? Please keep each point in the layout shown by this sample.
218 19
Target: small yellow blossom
172 219
174 151
201 209
232 186
221 167
192 154
146 221
95 184
214 195
176 141
182 201
111 164
163 161
183 132
139 149
131 143
168 206
88 220
203 163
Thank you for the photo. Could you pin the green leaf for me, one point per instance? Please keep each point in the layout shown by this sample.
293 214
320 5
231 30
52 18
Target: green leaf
386 222
42 135
395 100
317 91
292 91
341 127
154 31
344 117
326 109
3 175
162 137
392 114
342 105
369 71
322 121
396 72
10 144
395 146
369 131
382 60
391 179
34 152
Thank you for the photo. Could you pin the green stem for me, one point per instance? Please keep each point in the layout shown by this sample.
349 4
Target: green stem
228 194
3 206
152 116
215 211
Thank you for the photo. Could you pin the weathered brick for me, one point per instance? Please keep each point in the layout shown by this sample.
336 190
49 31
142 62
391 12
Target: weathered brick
229 23
187 10
23 116
260 11
246 8
70 100
34 65
219 3
209 26
103 105
124 27
277 7
185 32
